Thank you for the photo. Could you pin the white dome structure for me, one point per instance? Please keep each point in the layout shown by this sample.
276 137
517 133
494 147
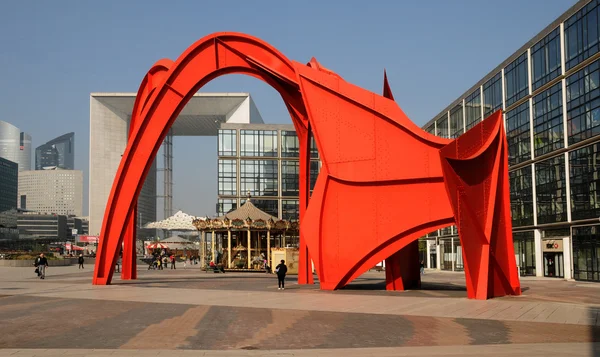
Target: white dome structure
180 221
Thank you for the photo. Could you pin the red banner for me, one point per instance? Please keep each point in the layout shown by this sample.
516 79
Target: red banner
87 239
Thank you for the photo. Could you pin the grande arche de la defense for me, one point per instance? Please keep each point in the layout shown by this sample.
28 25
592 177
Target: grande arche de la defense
408 182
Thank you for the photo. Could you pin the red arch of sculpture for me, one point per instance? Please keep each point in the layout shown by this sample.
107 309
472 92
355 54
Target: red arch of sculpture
378 168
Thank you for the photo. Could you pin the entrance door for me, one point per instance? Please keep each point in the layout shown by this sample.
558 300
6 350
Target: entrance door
433 260
553 265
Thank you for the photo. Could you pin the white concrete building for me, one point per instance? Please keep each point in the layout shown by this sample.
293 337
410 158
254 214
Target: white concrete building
110 114
52 191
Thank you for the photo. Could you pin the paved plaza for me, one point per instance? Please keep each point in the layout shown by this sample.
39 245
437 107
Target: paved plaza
201 313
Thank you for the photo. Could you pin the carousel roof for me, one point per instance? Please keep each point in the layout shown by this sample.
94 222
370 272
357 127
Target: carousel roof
248 216
248 210
180 221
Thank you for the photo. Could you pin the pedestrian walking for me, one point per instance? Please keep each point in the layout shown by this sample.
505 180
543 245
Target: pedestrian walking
173 261
281 270
80 261
422 267
119 264
41 263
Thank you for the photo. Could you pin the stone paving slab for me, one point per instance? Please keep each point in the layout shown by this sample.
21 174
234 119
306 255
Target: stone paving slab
533 350
509 310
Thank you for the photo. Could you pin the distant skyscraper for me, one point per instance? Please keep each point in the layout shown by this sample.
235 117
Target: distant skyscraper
24 152
15 145
59 152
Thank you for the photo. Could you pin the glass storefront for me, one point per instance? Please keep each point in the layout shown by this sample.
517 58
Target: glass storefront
524 244
586 253
451 257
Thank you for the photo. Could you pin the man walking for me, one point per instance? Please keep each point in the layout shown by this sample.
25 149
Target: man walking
80 261
281 270
173 261
41 263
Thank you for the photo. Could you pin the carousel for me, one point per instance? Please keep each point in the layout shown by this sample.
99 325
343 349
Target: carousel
247 237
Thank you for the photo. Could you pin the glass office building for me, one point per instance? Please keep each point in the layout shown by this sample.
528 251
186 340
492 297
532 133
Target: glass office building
549 91
8 200
261 160
58 152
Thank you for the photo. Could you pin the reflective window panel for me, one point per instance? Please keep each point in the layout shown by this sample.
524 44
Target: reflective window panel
227 177
227 142
548 120
583 103
492 95
550 189
545 59
261 143
584 164
516 80
517 134
521 196
581 35
258 177
472 109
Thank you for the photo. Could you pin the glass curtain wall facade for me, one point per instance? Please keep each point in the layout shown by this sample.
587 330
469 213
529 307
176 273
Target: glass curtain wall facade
59 152
549 91
261 160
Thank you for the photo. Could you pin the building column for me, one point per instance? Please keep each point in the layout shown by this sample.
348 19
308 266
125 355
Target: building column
438 258
229 249
539 259
428 252
283 241
213 247
452 256
168 174
567 261
203 248
269 248
249 251
259 242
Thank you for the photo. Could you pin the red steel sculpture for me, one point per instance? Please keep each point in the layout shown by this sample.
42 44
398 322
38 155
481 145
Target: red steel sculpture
378 168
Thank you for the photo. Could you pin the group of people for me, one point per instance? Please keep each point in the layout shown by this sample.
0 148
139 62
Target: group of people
162 262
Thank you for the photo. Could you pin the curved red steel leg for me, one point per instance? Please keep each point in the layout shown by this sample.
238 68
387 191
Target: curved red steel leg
208 58
476 171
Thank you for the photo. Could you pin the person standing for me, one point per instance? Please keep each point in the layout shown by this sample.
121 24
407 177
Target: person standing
173 261
422 267
281 270
80 261
119 264
41 263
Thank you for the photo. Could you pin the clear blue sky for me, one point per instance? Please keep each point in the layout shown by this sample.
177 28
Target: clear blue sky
53 54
